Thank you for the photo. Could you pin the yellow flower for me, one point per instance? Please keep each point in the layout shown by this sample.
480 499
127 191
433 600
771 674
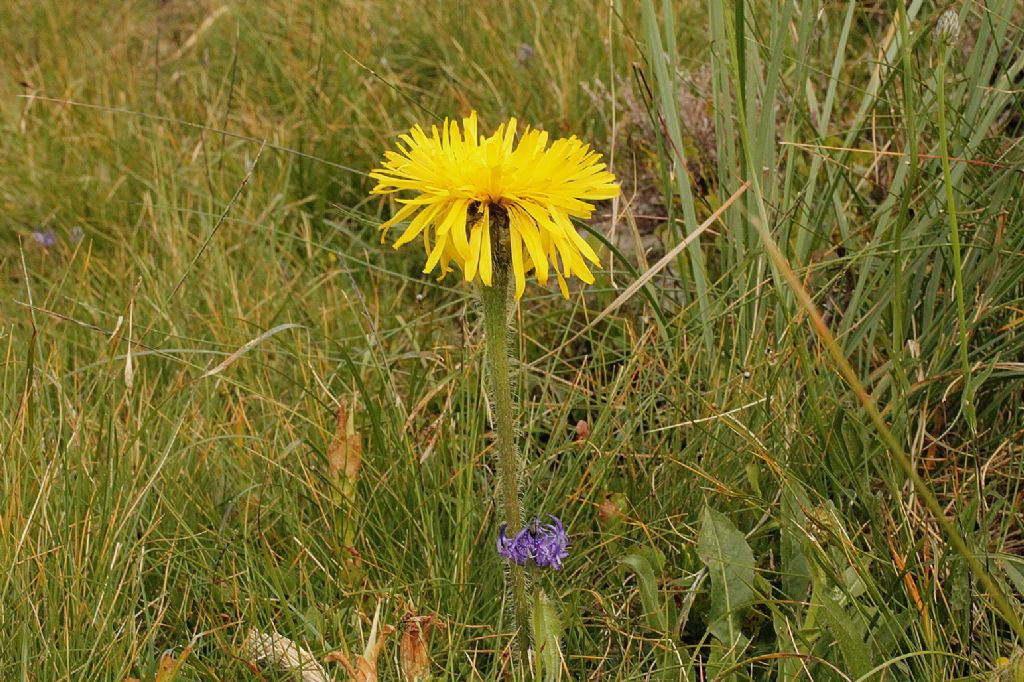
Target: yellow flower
471 190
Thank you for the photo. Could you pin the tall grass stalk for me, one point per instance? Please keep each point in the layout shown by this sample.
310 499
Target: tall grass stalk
954 231
899 223
662 61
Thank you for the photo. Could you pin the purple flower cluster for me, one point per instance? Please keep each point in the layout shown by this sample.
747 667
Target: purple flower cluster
546 544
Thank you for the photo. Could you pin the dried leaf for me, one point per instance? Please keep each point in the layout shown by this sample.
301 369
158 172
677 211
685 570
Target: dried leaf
345 454
169 666
414 647
364 668
282 652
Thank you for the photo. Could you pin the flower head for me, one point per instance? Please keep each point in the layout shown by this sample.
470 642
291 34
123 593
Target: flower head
482 202
546 544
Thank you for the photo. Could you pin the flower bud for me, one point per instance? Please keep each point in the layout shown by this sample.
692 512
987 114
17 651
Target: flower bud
582 430
1009 669
947 30
611 513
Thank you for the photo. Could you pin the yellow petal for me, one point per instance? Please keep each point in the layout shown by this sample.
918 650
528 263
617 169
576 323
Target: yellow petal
457 230
521 222
571 261
418 223
469 126
517 263
401 215
584 273
456 209
562 285
510 136
581 243
435 255
485 247
474 250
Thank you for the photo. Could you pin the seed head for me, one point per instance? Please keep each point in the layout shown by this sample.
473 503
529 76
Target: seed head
947 29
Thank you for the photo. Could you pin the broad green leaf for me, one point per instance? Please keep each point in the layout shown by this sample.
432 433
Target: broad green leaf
730 561
847 628
796 569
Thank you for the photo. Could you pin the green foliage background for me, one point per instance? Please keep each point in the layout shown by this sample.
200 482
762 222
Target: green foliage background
213 156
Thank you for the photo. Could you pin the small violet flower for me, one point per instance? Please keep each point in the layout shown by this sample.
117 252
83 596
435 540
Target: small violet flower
45 238
546 544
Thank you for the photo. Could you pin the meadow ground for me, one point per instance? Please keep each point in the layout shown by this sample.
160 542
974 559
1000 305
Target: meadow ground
194 289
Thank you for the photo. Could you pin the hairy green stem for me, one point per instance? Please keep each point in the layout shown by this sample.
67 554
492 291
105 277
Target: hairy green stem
495 299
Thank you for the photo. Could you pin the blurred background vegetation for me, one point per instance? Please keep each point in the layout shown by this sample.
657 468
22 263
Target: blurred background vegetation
201 333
